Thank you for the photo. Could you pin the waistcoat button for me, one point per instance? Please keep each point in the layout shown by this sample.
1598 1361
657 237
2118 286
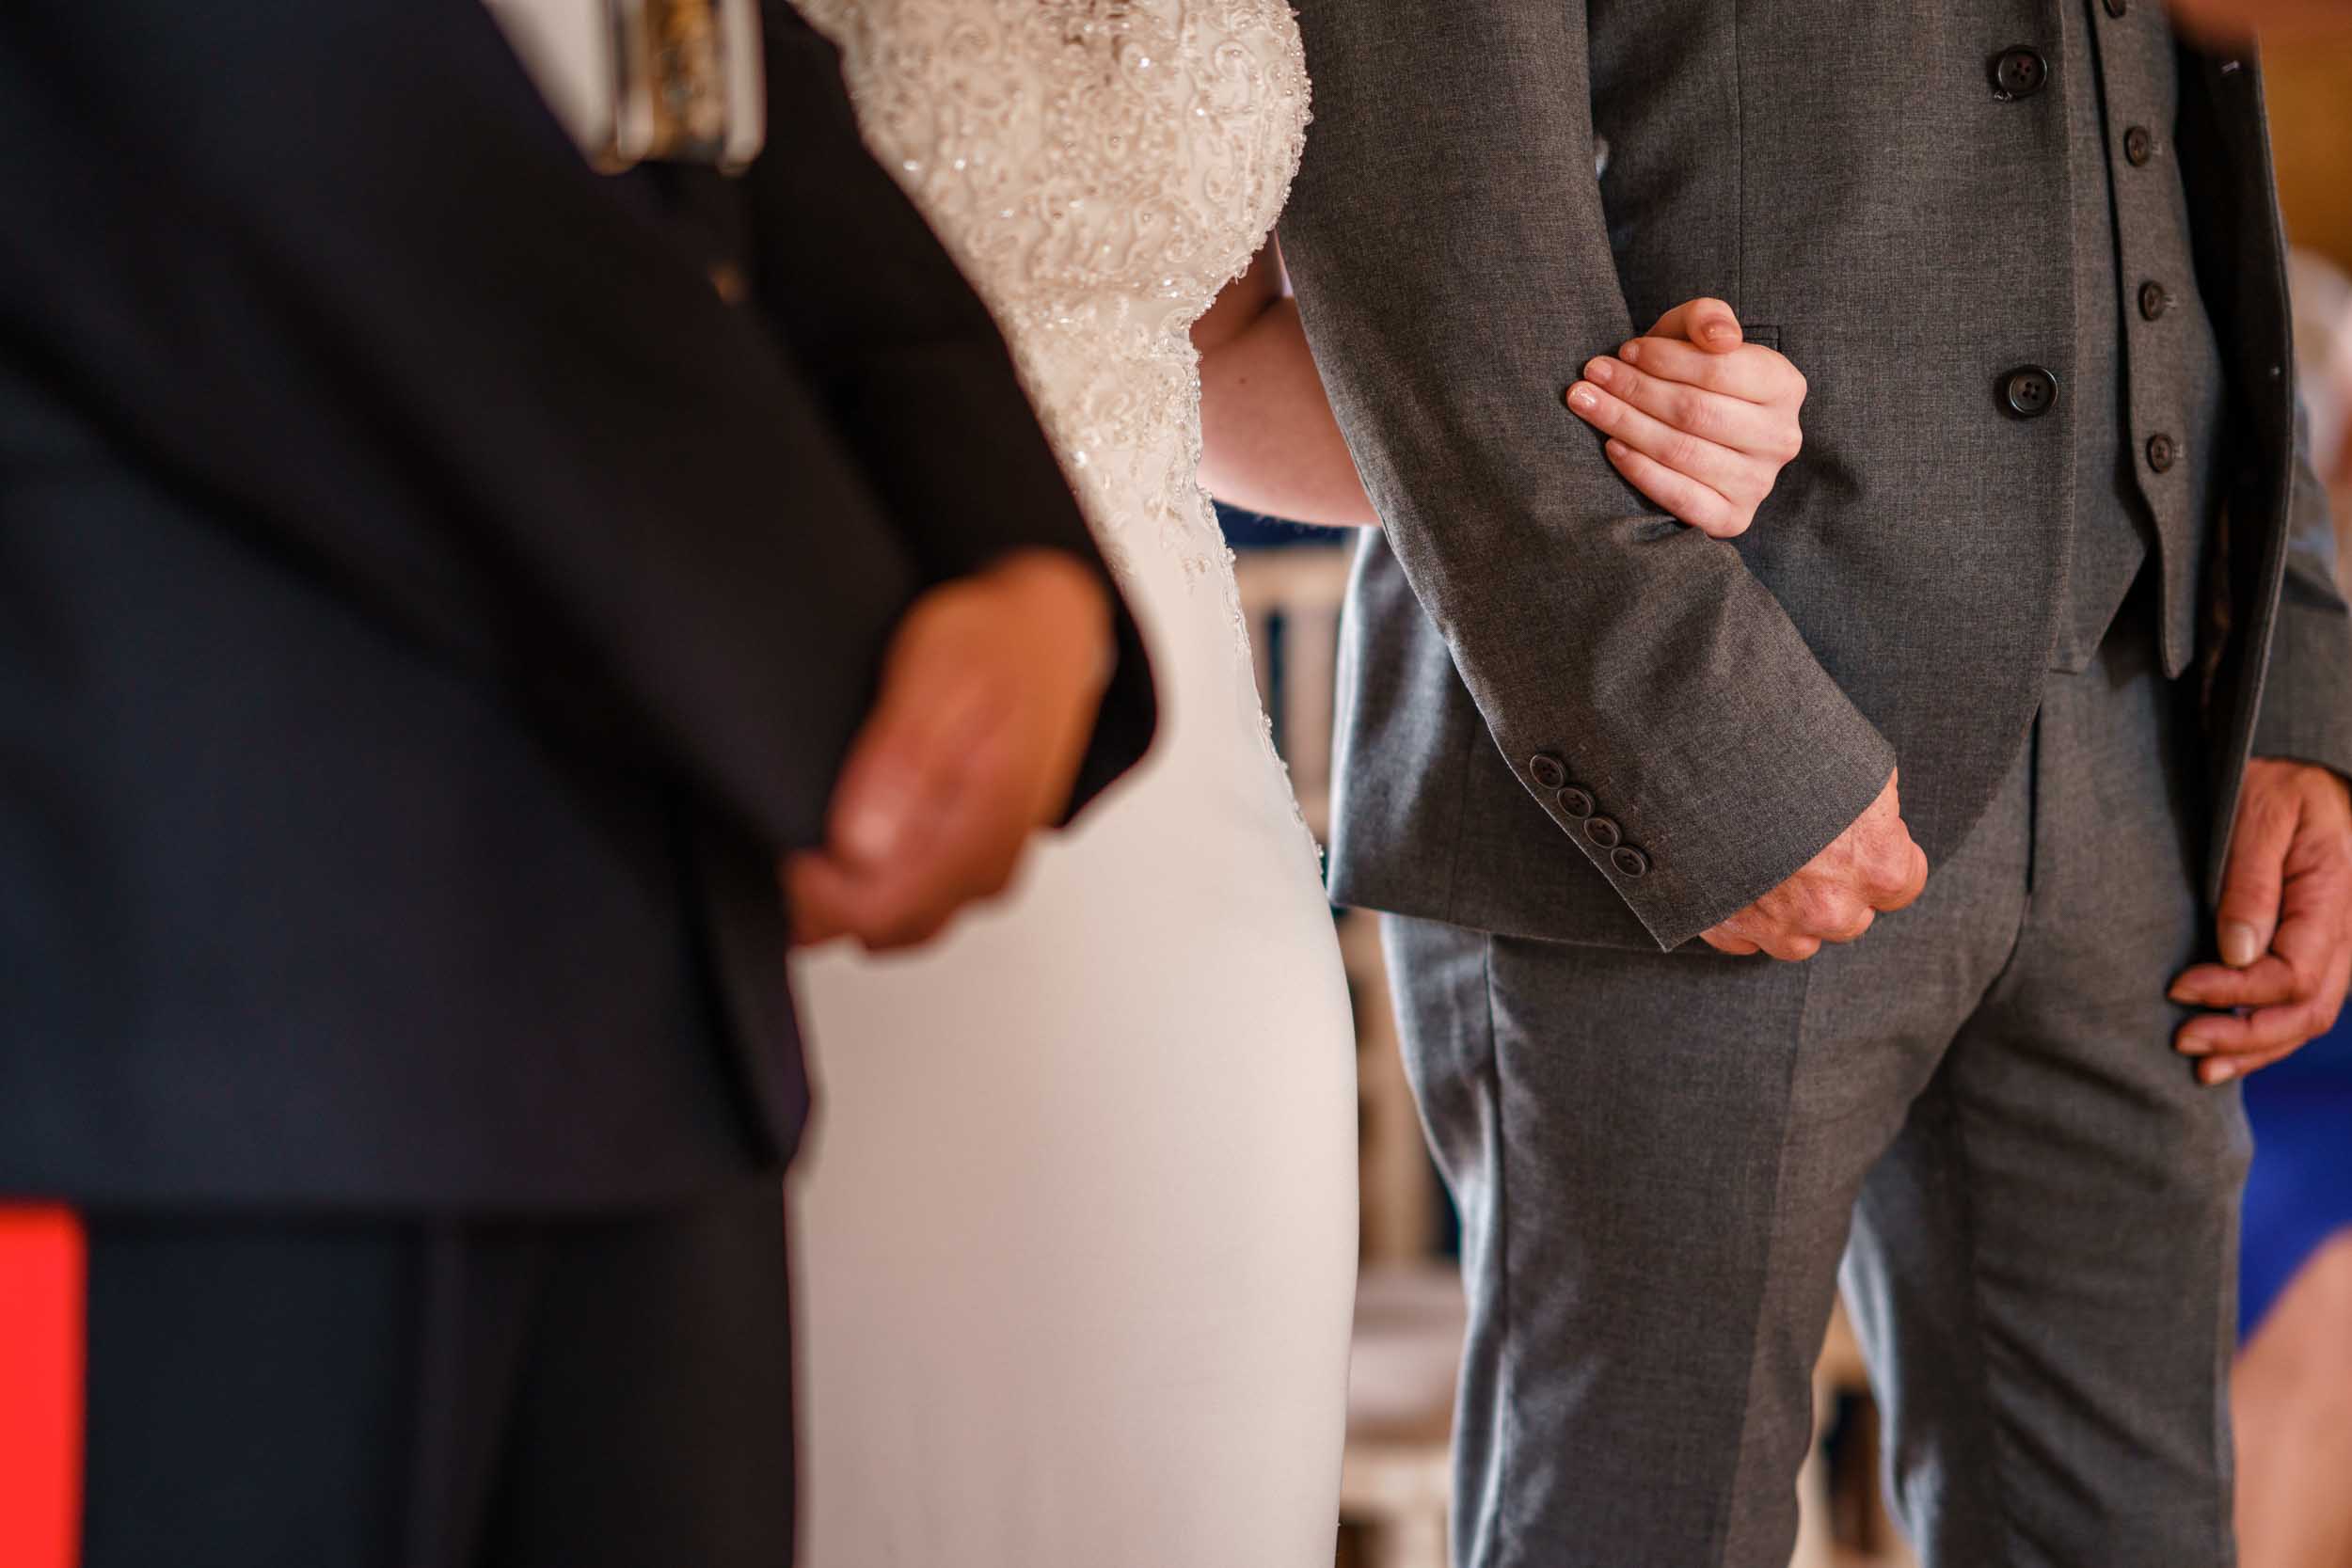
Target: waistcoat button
2029 391
2019 72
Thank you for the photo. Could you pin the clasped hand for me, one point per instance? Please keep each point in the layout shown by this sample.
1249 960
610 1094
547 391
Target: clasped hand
1698 419
989 694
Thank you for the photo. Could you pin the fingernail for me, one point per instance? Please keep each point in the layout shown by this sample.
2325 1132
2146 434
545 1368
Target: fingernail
871 832
1583 397
1614 448
1602 370
2222 1072
1632 352
2239 945
1716 332
2194 1045
2188 996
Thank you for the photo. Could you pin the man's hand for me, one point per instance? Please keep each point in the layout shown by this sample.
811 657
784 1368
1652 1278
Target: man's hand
988 697
1870 870
2285 924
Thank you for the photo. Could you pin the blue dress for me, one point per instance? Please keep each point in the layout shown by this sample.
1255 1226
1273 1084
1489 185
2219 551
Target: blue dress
2299 1192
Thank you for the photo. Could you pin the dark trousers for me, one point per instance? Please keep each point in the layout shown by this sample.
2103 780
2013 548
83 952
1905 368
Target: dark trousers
441 1393
1662 1157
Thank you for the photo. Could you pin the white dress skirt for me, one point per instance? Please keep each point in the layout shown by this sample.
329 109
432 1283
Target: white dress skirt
1076 1224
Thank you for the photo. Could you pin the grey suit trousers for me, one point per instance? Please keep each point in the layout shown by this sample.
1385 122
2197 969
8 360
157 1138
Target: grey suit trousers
1660 1159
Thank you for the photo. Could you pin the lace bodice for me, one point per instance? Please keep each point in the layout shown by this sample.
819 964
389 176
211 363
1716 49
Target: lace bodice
1099 169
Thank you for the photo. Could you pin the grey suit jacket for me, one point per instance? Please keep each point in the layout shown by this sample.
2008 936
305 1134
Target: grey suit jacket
1843 175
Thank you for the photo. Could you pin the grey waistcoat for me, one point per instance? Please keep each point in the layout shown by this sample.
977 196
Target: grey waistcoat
2146 395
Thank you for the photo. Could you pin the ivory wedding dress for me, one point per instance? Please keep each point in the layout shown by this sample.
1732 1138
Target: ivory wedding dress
1077 1227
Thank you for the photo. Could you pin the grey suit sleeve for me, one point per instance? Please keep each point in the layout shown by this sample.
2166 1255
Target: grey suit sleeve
1450 252
2307 697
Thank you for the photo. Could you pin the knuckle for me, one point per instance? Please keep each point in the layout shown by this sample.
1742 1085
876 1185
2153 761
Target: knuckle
1689 407
1818 910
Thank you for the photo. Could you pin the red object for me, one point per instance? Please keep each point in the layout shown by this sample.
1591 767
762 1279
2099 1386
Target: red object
43 1274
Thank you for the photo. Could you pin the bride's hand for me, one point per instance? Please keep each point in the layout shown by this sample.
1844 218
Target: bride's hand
1697 419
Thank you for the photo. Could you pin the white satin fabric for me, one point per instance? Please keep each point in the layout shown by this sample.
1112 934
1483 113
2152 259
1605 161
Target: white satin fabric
1076 1228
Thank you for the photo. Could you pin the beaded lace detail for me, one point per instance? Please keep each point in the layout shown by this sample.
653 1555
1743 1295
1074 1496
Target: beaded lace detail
1099 169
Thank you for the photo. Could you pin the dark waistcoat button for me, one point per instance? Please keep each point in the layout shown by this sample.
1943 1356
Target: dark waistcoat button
2029 391
2116 8
2019 72
2154 301
2139 145
2161 451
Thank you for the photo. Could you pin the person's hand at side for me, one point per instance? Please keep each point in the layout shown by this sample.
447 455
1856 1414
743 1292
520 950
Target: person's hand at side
1698 419
1870 869
2285 924
988 696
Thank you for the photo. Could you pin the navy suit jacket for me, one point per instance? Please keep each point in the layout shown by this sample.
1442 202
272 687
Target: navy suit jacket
428 608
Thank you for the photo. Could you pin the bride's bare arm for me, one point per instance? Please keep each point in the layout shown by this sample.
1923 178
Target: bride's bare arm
1268 442
1698 421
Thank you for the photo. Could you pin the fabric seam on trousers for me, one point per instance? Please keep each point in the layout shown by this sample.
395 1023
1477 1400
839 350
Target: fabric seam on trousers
2219 1420
1489 1537
2004 1517
1727 1508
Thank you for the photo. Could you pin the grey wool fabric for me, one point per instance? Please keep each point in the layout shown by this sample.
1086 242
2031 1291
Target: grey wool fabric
1660 1157
1850 179
2054 546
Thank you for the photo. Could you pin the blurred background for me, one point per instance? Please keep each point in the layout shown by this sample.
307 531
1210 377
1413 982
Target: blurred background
2294 1369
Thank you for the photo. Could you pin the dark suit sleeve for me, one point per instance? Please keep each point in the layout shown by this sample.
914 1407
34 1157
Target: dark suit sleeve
910 364
2307 694
1450 252
337 266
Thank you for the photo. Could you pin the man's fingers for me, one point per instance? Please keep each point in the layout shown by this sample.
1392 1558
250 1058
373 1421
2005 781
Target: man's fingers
969 853
2215 1070
1708 323
905 760
2266 982
2247 915
813 897
1751 374
1898 874
1704 509
2280 1028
